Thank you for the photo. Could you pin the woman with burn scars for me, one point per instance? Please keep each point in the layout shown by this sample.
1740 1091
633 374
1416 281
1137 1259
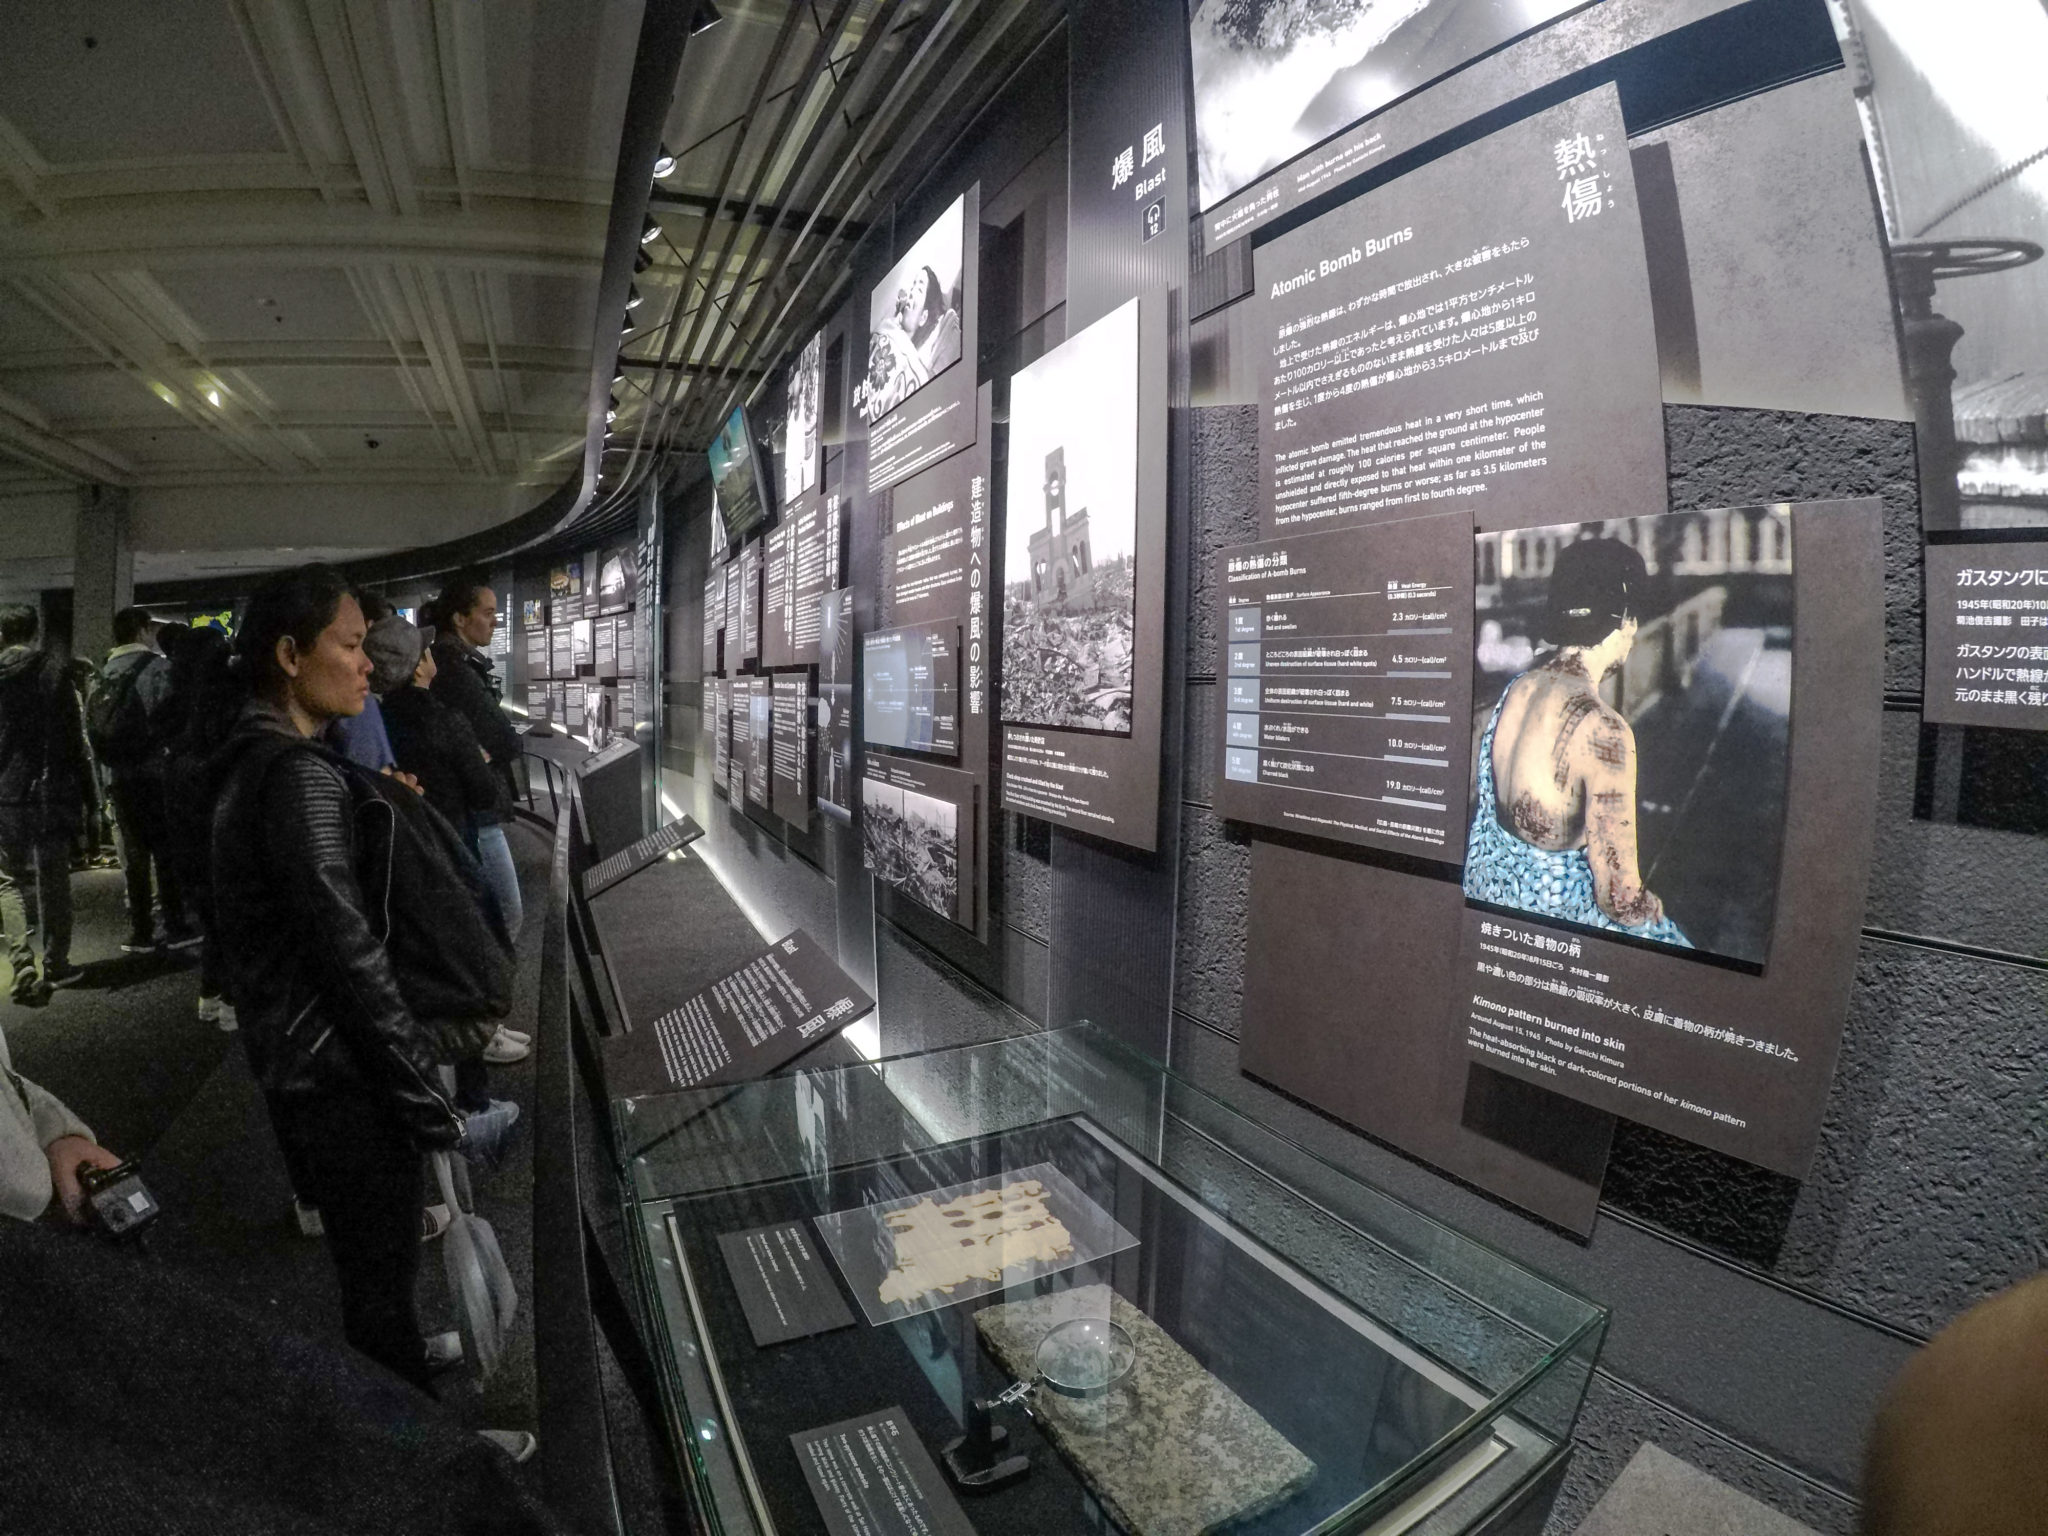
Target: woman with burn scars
1554 829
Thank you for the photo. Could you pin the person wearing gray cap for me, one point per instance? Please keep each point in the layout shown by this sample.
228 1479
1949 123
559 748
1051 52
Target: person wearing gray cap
436 747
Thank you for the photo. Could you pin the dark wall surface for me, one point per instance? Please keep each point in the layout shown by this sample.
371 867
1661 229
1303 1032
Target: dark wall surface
1756 1317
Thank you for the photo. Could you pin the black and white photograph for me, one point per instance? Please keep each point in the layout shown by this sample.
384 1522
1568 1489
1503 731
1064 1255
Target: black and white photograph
800 423
1274 78
1632 702
913 843
1069 577
914 318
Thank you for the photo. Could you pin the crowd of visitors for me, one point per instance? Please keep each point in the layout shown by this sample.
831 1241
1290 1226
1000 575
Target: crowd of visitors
318 808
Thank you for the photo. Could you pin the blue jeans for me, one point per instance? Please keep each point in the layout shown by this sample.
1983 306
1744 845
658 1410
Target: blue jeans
499 874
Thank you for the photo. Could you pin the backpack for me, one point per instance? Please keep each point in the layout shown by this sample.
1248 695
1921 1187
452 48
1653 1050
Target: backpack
116 720
426 893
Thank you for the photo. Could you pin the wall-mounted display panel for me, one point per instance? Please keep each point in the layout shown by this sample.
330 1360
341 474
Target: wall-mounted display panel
738 477
1347 691
801 563
836 670
617 580
910 689
1987 634
803 421
790 768
562 650
1083 579
718 720
1476 334
917 401
758 698
749 577
918 832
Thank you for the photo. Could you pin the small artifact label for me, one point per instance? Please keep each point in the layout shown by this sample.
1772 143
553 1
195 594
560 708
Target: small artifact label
783 1286
871 1476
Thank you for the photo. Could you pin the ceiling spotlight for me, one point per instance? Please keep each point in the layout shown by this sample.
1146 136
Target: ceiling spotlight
650 231
627 328
642 259
611 411
619 376
213 398
632 296
664 163
707 16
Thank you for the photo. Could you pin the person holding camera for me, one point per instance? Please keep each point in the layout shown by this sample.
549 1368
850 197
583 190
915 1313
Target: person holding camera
42 1145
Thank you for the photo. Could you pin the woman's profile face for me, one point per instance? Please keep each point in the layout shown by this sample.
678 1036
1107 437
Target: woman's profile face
916 296
332 676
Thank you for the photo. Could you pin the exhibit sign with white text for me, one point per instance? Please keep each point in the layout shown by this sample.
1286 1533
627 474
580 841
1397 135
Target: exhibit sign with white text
1477 334
917 391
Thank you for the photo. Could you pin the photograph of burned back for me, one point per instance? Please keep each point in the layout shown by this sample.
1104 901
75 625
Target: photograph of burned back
1632 702
1276 77
1069 586
914 327
912 842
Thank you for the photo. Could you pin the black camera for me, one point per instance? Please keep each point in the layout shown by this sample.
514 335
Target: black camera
117 1202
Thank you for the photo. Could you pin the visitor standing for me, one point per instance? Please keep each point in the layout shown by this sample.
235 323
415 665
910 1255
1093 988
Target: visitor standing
349 1071
120 720
43 784
465 616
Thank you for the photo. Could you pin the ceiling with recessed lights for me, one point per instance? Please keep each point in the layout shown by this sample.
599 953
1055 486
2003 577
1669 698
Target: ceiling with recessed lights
298 275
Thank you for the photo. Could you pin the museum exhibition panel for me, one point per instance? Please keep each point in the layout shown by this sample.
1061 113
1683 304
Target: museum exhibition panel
1317 797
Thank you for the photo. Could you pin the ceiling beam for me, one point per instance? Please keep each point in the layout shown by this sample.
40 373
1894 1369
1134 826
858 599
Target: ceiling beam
27 434
351 353
766 214
183 233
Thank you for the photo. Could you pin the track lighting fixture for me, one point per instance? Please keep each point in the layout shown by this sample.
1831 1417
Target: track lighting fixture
664 163
642 259
611 410
632 296
650 231
627 328
707 16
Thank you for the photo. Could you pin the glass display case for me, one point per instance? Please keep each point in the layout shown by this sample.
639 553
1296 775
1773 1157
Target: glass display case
1097 1297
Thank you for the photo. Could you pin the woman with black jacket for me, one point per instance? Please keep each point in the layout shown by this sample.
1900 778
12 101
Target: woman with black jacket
350 1071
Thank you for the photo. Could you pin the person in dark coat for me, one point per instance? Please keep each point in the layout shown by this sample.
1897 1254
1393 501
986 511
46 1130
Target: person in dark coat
43 778
465 616
350 1074
435 746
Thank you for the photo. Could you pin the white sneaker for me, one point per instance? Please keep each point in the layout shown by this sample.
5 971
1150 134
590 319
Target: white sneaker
504 1050
310 1224
209 1009
443 1350
516 1443
226 1019
516 1036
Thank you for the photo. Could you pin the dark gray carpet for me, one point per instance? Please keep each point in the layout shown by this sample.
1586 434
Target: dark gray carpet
127 1051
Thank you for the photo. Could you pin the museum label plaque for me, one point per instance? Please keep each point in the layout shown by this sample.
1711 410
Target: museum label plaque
783 1285
1987 635
915 396
871 1476
633 858
1475 334
742 1026
1347 688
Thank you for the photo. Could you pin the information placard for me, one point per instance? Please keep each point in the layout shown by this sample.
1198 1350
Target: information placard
1347 689
742 1026
790 769
782 1282
1987 635
915 394
1476 334
871 1476
633 858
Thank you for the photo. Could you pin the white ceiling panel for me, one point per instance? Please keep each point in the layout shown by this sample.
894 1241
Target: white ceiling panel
130 80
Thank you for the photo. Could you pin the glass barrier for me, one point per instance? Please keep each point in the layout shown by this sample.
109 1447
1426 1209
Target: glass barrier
1305 1353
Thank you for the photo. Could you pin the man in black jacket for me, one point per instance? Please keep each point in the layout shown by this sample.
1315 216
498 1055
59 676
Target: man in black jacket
465 616
43 778
123 719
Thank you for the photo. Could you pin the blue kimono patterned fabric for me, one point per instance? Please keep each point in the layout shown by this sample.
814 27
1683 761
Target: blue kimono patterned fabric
1505 871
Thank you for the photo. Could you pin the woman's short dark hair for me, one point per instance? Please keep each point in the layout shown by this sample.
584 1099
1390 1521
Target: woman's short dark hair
458 596
1595 585
300 603
17 624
